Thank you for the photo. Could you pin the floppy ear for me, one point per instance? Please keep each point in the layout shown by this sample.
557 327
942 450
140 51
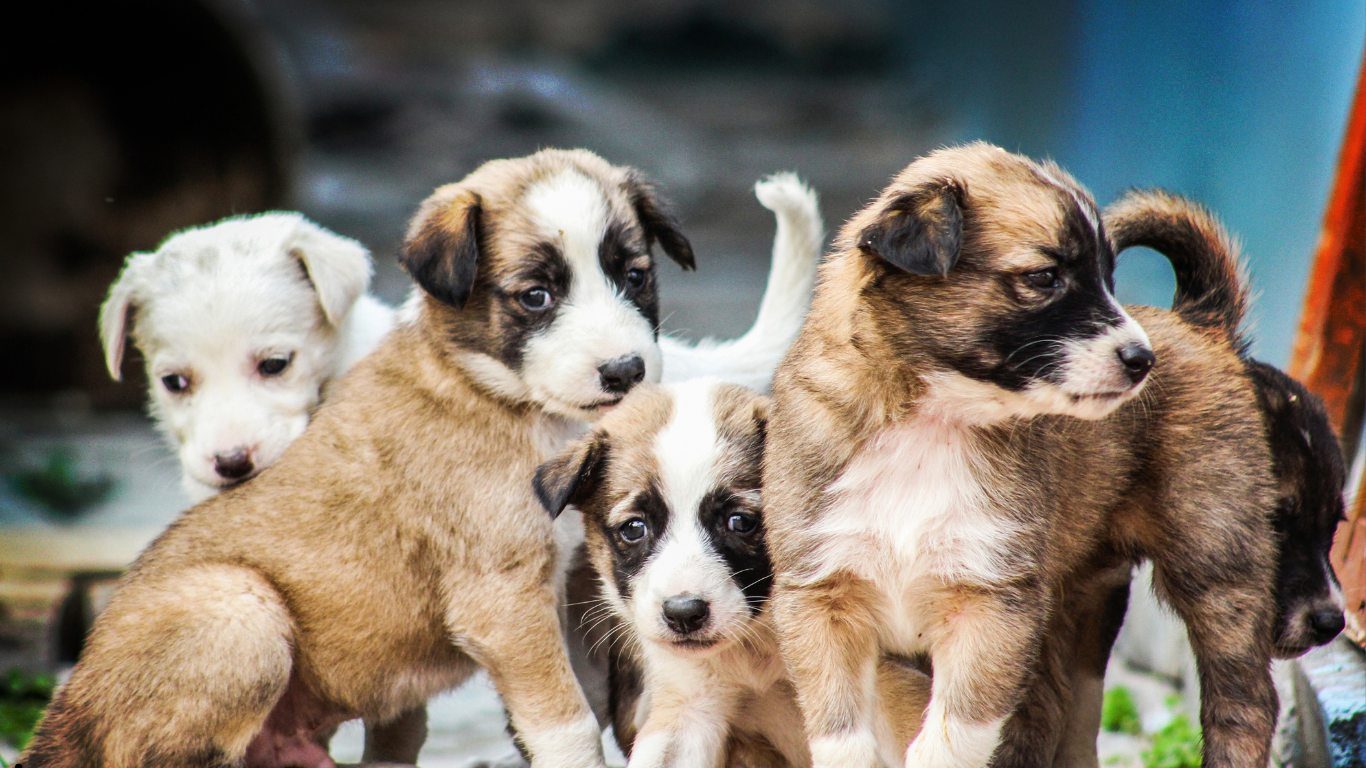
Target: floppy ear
571 477
658 221
338 267
442 254
123 296
920 231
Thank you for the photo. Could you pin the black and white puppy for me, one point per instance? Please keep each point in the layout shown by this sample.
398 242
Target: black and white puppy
669 485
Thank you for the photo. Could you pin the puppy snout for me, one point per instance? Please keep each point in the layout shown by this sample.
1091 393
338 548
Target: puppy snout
686 614
1326 623
234 465
1137 359
619 375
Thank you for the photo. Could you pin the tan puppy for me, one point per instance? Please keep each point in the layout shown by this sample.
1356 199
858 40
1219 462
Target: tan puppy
668 484
961 428
397 545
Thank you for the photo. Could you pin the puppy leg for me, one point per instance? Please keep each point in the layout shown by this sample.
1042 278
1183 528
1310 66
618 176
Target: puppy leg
184 671
1229 623
524 652
985 641
687 726
397 741
828 639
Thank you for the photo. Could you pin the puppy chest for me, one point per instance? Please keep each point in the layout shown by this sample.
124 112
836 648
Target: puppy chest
911 511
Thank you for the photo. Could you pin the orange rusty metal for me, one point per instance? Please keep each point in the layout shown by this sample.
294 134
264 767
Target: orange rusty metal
1331 341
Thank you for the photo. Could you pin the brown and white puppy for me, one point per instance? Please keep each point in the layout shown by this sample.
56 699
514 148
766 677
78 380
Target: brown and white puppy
396 546
962 427
669 486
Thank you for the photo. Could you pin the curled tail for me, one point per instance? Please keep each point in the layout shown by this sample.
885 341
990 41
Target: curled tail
751 359
1211 285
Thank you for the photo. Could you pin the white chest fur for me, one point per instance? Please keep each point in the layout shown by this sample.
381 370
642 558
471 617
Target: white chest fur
909 513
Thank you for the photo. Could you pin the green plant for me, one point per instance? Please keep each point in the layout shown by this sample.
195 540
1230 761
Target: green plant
1177 745
22 699
1118 713
59 488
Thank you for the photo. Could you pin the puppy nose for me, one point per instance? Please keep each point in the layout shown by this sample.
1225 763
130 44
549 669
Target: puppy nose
1137 360
621 374
233 466
685 615
1327 623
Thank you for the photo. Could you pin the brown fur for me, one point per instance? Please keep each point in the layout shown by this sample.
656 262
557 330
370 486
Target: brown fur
394 548
1178 474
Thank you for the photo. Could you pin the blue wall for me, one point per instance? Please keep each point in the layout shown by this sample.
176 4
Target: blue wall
1239 104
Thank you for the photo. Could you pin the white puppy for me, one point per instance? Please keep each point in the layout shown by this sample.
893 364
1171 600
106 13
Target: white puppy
241 324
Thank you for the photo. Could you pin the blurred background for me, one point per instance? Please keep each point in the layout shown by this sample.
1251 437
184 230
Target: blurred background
121 122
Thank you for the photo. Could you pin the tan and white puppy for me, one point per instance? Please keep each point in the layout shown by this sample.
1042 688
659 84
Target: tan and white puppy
962 426
397 544
241 325
669 487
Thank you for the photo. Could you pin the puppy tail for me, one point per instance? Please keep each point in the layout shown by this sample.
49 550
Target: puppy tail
1211 284
751 359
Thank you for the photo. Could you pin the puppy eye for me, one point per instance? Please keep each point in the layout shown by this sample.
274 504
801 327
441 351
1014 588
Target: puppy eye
535 299
742 522
633 530
274 366
175 383
635 278
1043 279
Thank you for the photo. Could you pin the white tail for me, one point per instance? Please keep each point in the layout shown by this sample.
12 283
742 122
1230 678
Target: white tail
751 359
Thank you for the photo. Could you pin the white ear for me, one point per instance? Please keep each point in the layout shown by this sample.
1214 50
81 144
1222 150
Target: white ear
338 267
114 312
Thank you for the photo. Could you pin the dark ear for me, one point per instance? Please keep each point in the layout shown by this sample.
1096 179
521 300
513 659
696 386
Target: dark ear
658 221
442 254
921 231
571 477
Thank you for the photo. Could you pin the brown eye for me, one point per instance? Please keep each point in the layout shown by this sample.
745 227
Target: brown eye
175 383
633 530
535 299
273 366
742 522
1043 279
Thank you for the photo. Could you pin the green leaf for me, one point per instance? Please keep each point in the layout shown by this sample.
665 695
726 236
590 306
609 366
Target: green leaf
1177 745
1119 714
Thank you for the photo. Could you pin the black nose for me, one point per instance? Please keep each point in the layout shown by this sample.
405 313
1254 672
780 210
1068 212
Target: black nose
1137 359
233 466
1327 623
621 374
685 615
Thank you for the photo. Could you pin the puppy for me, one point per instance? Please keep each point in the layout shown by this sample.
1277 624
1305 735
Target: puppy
1211 295
668 484
962 426
397 545
241 325
1306 456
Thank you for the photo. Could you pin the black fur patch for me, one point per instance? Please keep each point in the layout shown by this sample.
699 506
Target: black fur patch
658 221
443 262
618 256
630 557
544 267
746 554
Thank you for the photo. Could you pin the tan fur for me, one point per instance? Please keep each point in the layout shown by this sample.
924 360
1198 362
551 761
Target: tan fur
396 546
1178 474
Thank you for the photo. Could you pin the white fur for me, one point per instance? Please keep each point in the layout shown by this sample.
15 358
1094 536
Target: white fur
751 359
948 742
212 302
575 745
909 514
595 323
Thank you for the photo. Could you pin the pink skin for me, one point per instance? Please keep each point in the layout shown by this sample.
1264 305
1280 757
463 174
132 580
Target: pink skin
295 734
